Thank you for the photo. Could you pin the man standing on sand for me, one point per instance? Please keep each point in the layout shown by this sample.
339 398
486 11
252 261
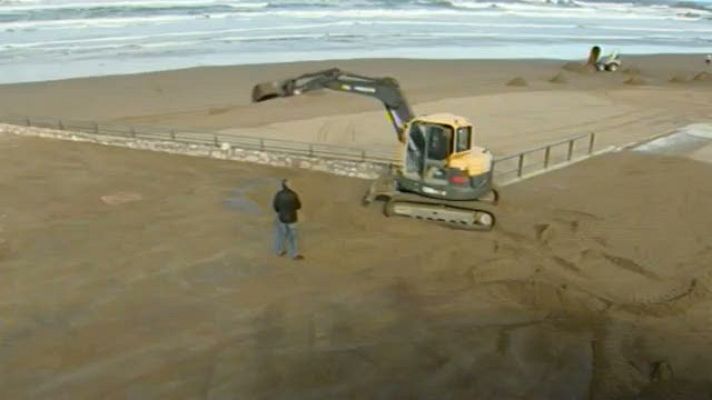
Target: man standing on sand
286 203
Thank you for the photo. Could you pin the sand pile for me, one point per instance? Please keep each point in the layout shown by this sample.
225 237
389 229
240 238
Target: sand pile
559 78
518 82
678 79
703 77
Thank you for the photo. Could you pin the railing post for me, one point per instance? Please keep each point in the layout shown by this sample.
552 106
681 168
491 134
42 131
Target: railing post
547 155
520 167
571 150
215 140
592 140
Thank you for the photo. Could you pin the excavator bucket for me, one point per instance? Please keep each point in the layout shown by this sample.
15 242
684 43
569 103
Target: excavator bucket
266 91
593 56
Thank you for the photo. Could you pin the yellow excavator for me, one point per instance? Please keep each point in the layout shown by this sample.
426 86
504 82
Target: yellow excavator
441 175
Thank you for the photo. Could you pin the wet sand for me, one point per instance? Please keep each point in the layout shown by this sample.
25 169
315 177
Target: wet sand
130 274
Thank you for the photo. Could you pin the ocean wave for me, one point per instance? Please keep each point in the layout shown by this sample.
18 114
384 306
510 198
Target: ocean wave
207 34
514 9
65 47
693 6
31 5
527 17
652 29
41 14
42 30
14 10
82 23
72 14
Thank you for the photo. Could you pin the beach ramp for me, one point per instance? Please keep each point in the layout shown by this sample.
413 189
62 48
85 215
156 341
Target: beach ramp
692 141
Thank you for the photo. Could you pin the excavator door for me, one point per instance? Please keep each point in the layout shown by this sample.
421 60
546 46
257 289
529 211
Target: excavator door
429 147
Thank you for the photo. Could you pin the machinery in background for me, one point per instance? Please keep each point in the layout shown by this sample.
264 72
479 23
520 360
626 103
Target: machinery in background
610 63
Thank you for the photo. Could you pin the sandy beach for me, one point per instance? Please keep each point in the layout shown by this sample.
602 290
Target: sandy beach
131 274
136 274
663 92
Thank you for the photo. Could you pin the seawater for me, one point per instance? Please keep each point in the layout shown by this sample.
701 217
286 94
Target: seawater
55 39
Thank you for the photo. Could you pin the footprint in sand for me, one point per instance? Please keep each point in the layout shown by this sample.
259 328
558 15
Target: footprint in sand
117 198
543 233
630 265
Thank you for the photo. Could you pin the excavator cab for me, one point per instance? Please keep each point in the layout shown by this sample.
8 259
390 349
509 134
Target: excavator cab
440 160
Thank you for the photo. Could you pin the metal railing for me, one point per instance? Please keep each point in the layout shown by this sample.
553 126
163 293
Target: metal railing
506 168
208 138
518 165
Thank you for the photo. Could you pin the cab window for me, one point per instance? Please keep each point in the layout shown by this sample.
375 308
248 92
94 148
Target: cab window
464 136
439 142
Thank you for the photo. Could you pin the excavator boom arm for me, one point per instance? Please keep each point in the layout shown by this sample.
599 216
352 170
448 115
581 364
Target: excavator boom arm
386 90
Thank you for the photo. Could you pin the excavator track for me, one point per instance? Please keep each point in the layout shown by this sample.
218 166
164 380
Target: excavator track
472 219
465 215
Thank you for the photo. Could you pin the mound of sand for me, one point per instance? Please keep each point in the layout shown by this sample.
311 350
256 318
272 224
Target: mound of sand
518 81
635 80
678 79
703 76
559 78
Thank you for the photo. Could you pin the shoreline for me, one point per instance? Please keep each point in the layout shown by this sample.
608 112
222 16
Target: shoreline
513 104
258 64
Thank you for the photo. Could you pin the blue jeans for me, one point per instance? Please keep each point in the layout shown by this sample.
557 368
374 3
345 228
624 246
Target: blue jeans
285 234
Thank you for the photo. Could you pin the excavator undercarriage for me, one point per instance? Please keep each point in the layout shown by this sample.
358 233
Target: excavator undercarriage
473 215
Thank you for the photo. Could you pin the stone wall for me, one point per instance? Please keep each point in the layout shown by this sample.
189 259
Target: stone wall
355 169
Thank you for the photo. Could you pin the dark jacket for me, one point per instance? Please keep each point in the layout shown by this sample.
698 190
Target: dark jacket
286 203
